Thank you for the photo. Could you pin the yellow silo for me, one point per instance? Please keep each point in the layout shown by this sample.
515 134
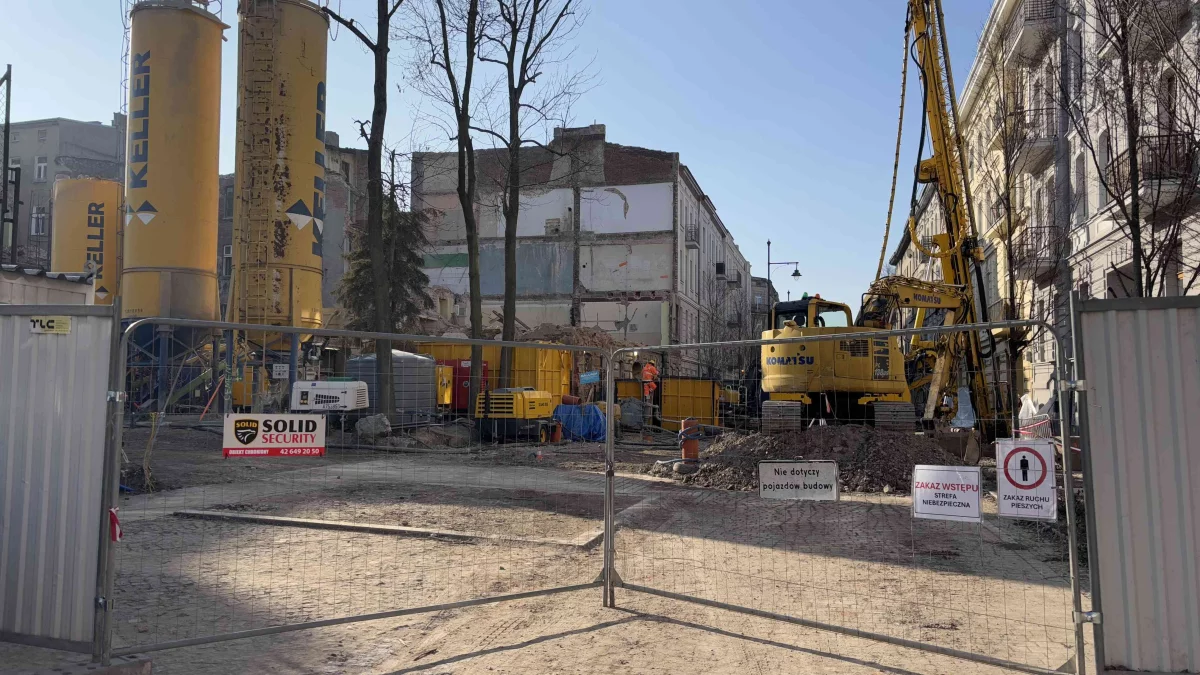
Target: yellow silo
171 162
278 222
86 213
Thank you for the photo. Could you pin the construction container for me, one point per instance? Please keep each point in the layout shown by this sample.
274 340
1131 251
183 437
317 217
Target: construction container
629 389
415 386
541 369
279 215
683 397
170 249
87 218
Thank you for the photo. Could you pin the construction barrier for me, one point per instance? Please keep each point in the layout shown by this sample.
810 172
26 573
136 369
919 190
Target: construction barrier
866 526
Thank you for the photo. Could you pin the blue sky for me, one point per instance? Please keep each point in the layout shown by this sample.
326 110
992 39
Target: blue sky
785 111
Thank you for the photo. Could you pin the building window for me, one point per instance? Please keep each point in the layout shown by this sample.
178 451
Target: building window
346 169
1081 193
1106 158
14 162
39 170
41 135
37 222
227 201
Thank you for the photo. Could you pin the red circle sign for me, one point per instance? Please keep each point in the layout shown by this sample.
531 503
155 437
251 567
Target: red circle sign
1008 468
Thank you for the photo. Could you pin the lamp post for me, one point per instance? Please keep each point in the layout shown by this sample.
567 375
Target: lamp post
795 272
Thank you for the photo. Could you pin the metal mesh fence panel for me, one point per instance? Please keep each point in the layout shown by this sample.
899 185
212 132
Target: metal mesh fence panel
745 526
450 500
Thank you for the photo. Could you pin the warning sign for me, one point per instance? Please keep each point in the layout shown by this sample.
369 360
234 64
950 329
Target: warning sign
1025 485
808 480
946 492
274 435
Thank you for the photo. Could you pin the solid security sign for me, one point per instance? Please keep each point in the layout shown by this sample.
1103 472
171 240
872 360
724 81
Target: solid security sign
279 371
1025 485
590 377
274 435
946 493
807 480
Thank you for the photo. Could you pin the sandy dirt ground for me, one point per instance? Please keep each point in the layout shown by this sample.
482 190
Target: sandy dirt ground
863 563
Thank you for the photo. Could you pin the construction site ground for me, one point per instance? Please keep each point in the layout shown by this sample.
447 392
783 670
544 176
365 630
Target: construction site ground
861 563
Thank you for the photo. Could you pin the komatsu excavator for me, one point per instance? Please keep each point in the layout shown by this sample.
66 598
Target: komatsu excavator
877 380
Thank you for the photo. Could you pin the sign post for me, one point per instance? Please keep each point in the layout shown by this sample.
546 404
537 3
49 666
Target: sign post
946 493
1025 485
815 481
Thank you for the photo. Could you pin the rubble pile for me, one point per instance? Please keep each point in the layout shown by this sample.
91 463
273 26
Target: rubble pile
869 459
583 336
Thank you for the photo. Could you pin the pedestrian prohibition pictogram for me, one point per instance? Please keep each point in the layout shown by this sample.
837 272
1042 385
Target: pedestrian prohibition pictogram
1025 468
1025 485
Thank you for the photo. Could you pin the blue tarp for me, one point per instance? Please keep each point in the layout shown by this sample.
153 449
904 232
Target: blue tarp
581 422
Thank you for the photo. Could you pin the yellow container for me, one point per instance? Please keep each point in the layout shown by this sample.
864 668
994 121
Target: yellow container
280 211
242 393
629 389
86 213
543 369
684 397
170 251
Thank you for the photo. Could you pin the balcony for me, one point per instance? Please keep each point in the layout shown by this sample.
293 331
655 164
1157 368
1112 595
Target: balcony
1155 30
1037 250
720 271
1166 166
1033 142
691 237
734 320
1032 28
734 279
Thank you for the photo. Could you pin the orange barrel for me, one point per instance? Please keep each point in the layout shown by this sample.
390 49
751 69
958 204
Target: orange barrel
689 439
556 433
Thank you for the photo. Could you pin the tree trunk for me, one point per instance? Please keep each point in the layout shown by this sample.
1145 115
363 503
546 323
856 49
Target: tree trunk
383 307
1132 133
466 200
512 209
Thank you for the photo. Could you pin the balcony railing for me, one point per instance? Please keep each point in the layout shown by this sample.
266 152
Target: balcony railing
1032 25
1162 158
1036 250
691 237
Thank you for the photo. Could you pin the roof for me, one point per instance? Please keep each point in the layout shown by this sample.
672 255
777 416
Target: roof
49 121
38 272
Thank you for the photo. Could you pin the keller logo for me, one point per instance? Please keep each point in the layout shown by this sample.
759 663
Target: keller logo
245 431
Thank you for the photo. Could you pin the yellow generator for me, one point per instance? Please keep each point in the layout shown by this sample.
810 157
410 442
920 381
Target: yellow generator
856 381
516 413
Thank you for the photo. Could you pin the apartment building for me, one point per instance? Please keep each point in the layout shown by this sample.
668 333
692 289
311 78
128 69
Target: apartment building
612 236
1049 161
45 150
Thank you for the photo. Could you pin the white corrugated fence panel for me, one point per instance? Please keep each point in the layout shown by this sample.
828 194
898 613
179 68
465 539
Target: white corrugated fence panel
1141 365
52 432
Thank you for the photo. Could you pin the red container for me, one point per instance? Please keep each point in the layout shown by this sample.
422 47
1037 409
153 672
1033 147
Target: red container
461 400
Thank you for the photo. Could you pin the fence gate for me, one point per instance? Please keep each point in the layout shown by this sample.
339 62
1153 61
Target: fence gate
1140 367
446 511
54 365
997 590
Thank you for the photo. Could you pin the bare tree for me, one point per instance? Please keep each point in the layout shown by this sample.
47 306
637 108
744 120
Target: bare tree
447 35
1135 116
528 40
384 11
1020 123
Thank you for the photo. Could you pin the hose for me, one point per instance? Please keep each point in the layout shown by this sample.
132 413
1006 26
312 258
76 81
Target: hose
887 225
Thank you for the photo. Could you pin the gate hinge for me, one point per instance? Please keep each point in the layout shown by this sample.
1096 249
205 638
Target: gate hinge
1088 617
1073 385
115 397
103 604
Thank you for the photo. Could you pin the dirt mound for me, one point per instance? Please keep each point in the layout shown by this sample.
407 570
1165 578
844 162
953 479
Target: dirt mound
869 459
583 336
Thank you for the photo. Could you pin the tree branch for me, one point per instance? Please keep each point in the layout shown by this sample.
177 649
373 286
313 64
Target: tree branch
392 11
351 26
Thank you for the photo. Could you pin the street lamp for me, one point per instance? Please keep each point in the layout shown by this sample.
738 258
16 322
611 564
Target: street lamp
795 272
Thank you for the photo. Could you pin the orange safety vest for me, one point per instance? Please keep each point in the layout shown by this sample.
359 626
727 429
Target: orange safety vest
649 373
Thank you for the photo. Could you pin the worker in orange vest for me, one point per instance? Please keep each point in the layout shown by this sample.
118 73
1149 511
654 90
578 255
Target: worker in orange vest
649 375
